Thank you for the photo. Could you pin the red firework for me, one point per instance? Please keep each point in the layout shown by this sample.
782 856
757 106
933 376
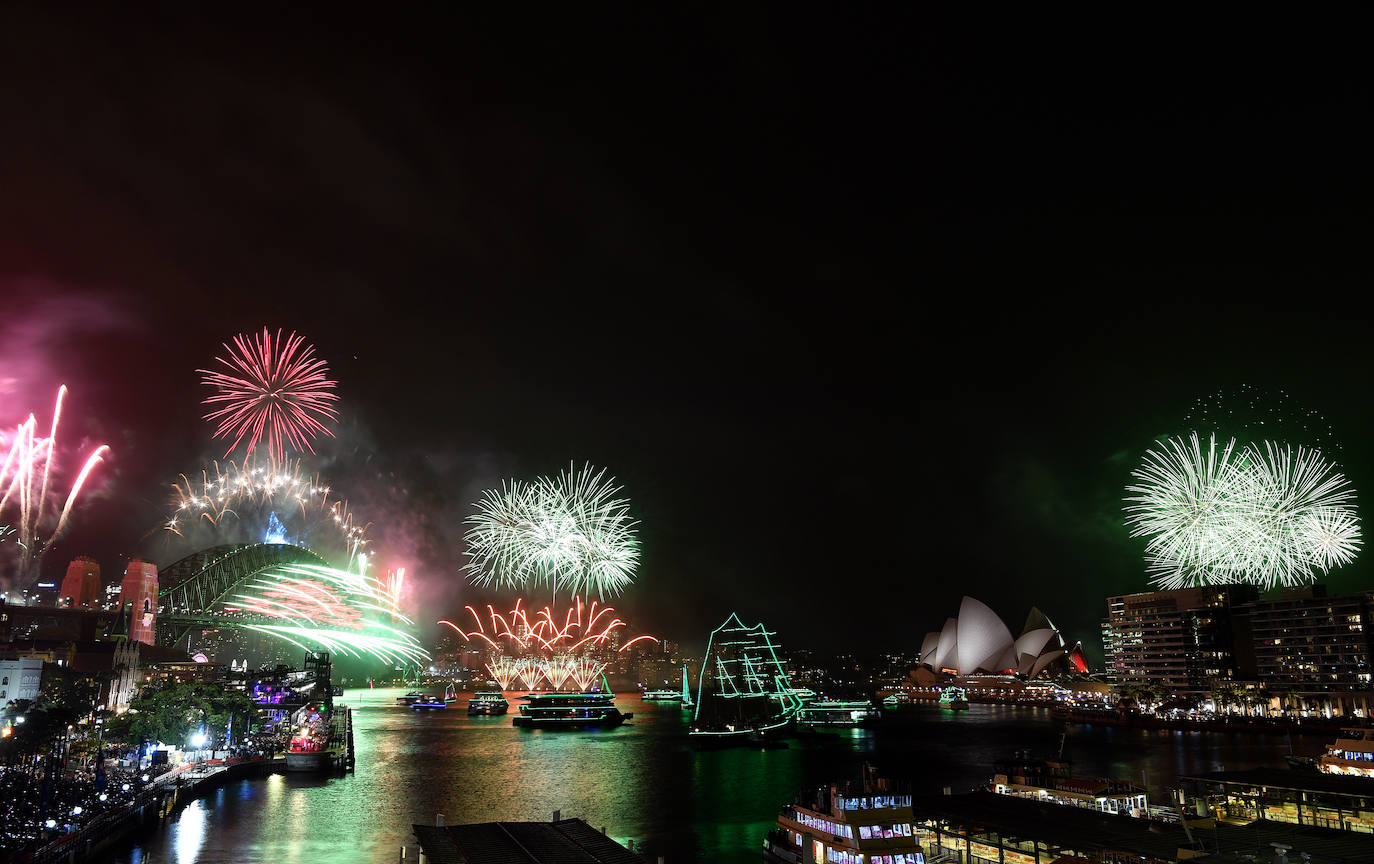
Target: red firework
277 391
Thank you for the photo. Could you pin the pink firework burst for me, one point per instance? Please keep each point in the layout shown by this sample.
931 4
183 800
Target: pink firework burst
272 391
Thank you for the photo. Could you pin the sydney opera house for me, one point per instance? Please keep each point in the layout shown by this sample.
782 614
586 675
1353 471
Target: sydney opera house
978 642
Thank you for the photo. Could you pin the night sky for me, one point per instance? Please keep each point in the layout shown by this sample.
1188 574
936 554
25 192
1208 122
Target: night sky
865 311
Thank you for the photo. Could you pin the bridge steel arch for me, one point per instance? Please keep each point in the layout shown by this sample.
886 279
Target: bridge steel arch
190 590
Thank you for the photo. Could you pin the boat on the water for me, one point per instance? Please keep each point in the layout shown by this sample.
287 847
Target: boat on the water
665 695
955 698
411 698
1051 781
1351 753
591 710
488 702
838 714
309 747
744 697
429 703
867 820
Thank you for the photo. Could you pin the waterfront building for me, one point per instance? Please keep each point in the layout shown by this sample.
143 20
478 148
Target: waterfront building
1181 640
81 588
138 592
1334 801
1304 646
985 828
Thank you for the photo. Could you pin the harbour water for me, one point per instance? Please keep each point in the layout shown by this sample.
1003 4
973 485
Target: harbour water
641 781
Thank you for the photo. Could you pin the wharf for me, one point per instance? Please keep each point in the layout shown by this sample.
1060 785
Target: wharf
994 827
341 738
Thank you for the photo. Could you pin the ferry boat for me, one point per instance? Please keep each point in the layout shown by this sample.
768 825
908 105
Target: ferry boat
309 748
955 698
429 703
1052 782
411 698
869 821
569 711
665 695
836 713
488 702
1352 753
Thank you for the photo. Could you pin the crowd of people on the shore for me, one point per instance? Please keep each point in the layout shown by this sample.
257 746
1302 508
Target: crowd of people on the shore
38 807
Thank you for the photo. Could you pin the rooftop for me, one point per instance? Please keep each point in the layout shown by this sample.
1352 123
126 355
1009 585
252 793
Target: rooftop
1279 778
566 841
1084 830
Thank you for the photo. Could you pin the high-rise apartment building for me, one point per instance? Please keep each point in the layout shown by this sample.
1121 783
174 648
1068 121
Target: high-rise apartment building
1305 641
1181 639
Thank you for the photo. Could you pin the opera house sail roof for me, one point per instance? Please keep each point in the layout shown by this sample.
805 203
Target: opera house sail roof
977 641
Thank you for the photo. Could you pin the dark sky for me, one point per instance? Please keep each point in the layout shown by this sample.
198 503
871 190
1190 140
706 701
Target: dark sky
866 310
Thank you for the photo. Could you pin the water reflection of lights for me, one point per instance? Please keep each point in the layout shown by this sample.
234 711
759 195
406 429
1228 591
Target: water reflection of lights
191 829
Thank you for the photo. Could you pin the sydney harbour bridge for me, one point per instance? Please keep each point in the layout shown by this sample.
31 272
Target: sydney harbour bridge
193 592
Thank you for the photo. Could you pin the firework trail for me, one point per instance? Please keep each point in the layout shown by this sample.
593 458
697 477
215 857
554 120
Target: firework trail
1268 515
336 609
273 391
25 475
571 531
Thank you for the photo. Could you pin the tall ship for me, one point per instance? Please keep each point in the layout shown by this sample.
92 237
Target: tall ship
486 702
591 710
743 695
1352 753
869 820
665 695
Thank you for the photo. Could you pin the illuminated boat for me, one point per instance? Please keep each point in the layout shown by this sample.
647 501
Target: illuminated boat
309 747
411 697
684 695
744 697
1352 753
429 703
488 702
870 820
569 711
955 698
836 713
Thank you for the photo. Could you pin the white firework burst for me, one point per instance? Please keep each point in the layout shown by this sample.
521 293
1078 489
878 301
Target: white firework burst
1330 537
571 532
1268 516
1190 501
